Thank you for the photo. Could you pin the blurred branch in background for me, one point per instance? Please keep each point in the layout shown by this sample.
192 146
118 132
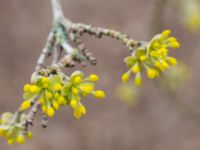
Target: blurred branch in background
189 11
191 14
172 81
157 23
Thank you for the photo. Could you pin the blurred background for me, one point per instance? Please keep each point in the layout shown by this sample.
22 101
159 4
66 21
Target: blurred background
161 115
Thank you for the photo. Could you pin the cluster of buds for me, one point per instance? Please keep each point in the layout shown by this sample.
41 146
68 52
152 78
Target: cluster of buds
59 90
11 128
152 57
78 86
50 92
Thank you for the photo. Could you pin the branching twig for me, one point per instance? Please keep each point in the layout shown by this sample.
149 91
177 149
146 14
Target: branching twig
63 34
47 50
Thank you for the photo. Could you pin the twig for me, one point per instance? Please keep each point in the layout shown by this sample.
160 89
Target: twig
57 54
57 10
47 50
180 105
63 32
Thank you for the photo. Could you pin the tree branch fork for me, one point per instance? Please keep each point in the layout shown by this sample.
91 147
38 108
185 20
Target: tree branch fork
63 37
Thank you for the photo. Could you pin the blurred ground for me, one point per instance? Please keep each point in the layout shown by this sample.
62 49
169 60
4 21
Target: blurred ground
154 124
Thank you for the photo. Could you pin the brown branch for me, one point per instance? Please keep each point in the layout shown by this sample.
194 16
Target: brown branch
62 33
79 28
81 47
47 50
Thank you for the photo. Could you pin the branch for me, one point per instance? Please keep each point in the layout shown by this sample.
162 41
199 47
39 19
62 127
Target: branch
63 36
47 51
57 10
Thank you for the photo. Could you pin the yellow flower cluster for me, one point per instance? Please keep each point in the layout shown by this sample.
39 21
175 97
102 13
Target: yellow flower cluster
152 57
78 86
54 92
11 130
47 91
51 92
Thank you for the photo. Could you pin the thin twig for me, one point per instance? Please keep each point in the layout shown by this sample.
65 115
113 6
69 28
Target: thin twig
57 10
47 50
61 35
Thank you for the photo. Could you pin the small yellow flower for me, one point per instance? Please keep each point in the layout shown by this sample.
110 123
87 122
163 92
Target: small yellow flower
55 95
166 33
44 108
156 45
154 54
143 58
125 77
75 90
49 95
163 51
27 87
45 80
87 89
171 61
10 133
138 79
164 64
57 87
164 46
77 114
136 68
29 135
151 73
41 100
25 105
175 44
20 139
77 79
2 132
61 100
50 112
11 141
93 78
55 105
99 94
82 109
158 65
172 39
45 85
34 89
73 103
